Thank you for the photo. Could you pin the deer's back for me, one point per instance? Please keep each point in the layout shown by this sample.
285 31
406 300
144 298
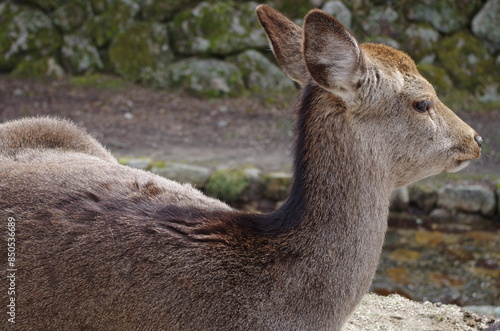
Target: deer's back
98 242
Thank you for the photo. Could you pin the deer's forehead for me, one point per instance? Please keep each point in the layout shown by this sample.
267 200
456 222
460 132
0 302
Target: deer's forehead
389 58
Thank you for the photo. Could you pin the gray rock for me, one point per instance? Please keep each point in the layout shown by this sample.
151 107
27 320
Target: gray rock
25 34
474 198
79 55
338 10
260 74
201 77
255 188
220 28
420 41
184 173
423 196
383 21
498 197
440 214
486 25
446 15
143 163
400 199
485 310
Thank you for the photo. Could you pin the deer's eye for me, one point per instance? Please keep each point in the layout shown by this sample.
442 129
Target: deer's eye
422 106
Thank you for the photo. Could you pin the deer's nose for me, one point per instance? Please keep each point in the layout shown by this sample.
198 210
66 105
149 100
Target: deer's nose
479 140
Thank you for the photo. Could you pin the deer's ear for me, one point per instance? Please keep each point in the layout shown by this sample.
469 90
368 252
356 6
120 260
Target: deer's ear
332 55
285 38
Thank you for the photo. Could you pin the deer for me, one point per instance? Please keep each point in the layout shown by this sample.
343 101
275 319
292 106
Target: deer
101 246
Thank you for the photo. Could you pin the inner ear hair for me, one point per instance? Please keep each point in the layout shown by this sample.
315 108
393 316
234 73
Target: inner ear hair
331 53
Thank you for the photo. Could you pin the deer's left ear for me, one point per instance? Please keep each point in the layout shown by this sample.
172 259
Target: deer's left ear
332 55
285 38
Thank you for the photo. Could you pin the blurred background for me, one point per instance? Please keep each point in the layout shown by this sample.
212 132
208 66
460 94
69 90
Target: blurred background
189 89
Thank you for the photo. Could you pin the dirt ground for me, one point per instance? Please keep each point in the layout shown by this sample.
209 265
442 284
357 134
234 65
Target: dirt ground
133 121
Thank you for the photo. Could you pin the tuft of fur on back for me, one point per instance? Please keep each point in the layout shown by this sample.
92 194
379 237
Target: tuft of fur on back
38 135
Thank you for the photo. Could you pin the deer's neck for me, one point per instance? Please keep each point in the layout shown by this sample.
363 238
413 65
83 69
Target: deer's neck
339 202
339 180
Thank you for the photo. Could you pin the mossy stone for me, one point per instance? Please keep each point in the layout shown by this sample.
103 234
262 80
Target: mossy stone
25 33
161 10
419 40
140 48
124 8
466 60
201 77
79 55
103 27
382 21
437 76
217 28
446 16
72 15
486 25
47 5
46 67
261 76
277 185
383 40
339 10
227 184
293 8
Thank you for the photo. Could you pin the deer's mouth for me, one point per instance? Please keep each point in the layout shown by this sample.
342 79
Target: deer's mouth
458 165
463 160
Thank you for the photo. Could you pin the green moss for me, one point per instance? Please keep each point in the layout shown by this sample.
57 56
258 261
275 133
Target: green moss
102 28
160 10
123 160
277 185
46 5
437 76
39 68
122 8
458 99
158 164
466 60
227 184
100 81
293 8
141 47
72 15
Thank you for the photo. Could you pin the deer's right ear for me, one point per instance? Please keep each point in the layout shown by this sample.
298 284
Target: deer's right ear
285 38
332 55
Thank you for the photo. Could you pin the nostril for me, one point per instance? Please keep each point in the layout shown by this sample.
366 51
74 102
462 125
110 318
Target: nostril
479 140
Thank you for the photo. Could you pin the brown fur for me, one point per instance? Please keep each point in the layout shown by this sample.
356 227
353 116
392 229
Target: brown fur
102 246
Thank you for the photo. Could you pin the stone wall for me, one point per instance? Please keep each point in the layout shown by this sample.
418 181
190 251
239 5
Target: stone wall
217 48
